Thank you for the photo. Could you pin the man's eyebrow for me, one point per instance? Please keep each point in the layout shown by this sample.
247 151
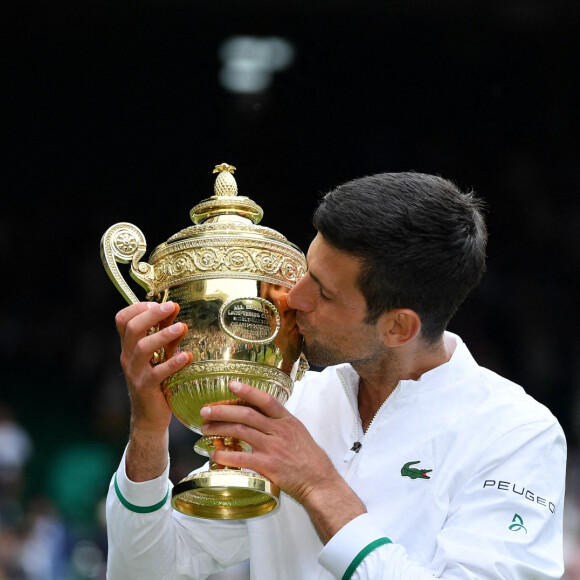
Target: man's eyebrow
322 286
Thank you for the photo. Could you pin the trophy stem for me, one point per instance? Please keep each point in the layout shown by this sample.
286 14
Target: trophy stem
226 444
205 445
223 492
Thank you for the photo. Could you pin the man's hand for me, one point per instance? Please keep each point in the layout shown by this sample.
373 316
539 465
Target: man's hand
150 413
283 451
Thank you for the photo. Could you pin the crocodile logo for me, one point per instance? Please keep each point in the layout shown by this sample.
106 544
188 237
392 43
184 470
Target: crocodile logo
413 472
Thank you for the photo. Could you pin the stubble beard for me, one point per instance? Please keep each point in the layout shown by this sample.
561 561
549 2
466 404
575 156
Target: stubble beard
324 355
320 355
323 351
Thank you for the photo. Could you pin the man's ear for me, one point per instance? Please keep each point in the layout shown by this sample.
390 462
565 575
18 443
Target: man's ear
399 326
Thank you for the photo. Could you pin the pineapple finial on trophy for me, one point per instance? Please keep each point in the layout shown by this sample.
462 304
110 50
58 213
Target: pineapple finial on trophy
225 183
226 204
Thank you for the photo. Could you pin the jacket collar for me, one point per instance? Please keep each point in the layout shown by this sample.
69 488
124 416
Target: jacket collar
457 367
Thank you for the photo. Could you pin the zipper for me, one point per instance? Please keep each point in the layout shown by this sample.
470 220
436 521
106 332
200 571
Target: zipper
355 448
351 453
358 443
382 407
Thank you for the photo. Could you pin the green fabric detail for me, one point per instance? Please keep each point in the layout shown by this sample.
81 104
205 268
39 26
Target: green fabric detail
362 555
414 473
139 509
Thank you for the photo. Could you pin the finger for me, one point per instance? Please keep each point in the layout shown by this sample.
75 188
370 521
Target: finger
262 400
163 371
255 438
168 338
218 443
255 461
172 346
239 423
232 459
128 313
244 423
171 318
139 326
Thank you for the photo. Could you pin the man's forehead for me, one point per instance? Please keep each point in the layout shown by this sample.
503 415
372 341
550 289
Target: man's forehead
330 267
321 248
316 248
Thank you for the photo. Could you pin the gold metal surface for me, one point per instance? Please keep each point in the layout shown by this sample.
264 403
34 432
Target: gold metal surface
230 277
225 494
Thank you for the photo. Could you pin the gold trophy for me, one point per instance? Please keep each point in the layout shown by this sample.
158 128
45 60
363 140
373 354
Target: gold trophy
230 278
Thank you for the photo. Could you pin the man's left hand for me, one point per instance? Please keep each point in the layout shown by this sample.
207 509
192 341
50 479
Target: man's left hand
282 448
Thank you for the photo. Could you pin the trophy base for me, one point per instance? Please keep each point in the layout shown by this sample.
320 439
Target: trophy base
225 494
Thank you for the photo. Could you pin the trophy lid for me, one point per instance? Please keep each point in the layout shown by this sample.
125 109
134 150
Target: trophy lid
225 200
225 211
224 242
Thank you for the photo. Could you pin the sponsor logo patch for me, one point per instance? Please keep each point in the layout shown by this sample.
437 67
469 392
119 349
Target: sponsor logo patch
520 490
413 472
518 524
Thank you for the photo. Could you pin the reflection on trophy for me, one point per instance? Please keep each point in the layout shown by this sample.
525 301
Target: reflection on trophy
231 278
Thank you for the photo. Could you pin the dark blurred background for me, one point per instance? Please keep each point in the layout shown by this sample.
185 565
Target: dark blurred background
118 111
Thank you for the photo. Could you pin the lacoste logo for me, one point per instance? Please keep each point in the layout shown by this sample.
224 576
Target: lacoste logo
413 472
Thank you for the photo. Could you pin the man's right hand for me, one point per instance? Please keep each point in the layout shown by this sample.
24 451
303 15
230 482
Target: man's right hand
150 414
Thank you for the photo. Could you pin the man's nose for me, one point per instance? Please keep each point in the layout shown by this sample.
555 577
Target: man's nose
299 297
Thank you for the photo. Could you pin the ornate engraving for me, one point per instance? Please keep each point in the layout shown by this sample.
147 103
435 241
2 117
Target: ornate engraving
182 262
291 271
268 262
206 259
123 243
231 227
303 366
237 259
226 257
242 203
230 370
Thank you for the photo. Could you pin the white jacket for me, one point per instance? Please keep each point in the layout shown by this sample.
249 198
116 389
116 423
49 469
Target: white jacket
461 472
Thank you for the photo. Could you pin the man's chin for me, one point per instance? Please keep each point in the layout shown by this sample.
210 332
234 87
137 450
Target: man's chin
319 356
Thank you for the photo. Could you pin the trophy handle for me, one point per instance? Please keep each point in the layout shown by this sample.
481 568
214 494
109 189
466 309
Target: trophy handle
126 243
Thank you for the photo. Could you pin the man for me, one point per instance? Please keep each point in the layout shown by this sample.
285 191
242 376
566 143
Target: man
403 459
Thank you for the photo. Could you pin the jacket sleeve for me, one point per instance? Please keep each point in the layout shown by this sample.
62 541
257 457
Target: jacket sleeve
148 539
504 522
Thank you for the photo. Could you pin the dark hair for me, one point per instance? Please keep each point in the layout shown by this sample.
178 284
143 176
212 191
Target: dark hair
420 240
